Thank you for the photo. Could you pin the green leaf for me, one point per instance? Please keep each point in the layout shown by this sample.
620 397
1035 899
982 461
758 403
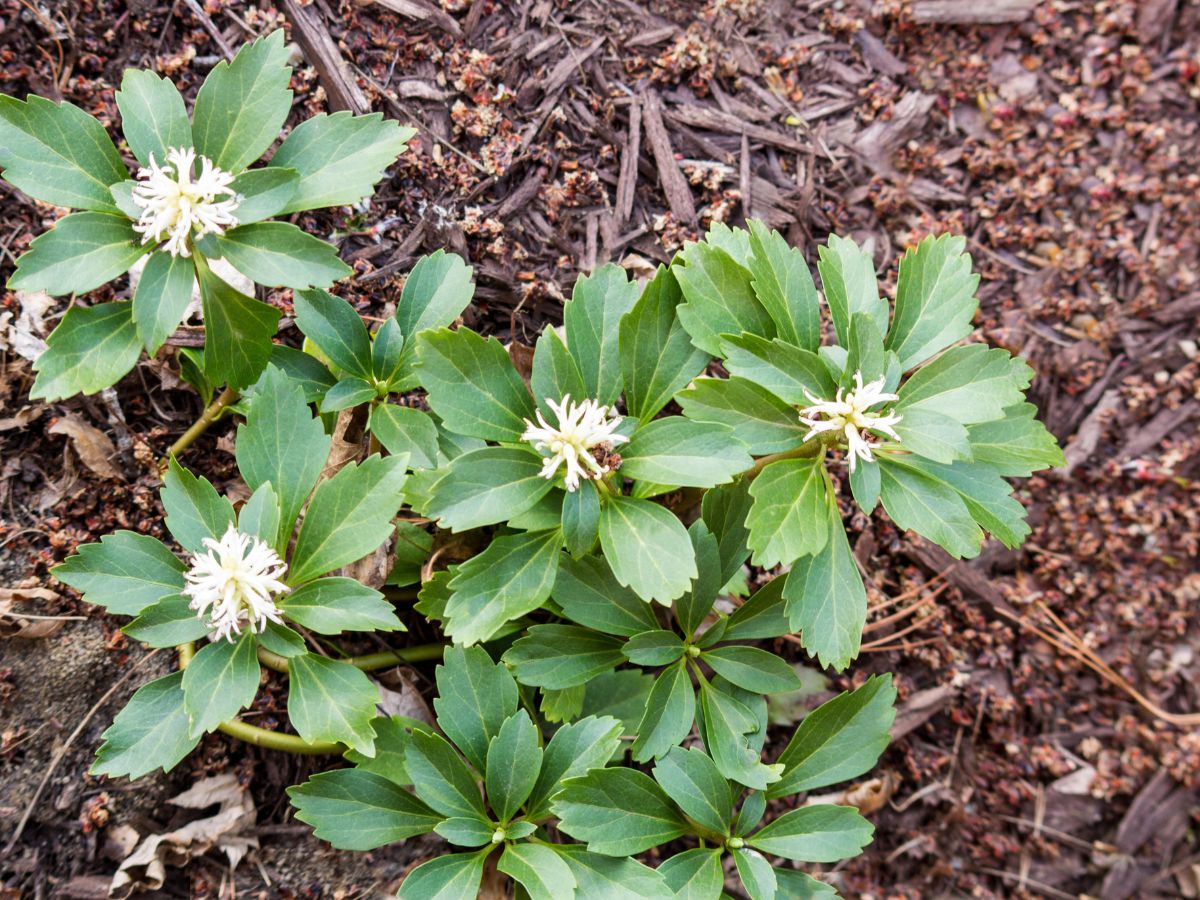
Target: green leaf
818 833
668 716
335 605
387 354
612 878
413 547
91 349
691 780
618 812
263 193
726 725
693 607
751 668
340 157
219 682
622 694
764 615
647 548
538 869
653 648
441 778
281 640
406 431
724 510
935 299
589 594
581 519
719 297
839 740
241 105
167 623
848 277
657 356
392 738
124 573
512 577
332 324
760 419
918 501
194 509
1017 445
987 497
826 600
465 832
681 452
574 749
81 252
153 117
472 384
331 701
864 351
349 516
555 374
279 254
751 812
475 697
282 444
57 153
486 486
795 885
238 332
591 319
788 372
514 760
758 878
562 656
864 485
970 384
162 297
436 292
357 810
788 519
306 370
562 705
150 733
346 393
695 874
933 435
455 876
784 286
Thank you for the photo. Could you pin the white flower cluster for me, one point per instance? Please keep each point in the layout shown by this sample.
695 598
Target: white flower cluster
582 428
174 205
851 415
234 584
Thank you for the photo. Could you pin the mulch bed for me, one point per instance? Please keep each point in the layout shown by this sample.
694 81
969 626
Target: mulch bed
1060 138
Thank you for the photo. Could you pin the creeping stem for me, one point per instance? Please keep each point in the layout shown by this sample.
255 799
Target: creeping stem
213 412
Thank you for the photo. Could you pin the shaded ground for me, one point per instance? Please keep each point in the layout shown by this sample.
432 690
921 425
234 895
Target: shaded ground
553 136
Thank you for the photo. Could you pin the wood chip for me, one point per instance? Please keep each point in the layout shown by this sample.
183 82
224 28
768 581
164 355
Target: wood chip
972 12
627 179
323 53
714 120
421 11
674 185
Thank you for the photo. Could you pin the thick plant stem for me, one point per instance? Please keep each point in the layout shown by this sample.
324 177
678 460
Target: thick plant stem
261 737
228 397
368 662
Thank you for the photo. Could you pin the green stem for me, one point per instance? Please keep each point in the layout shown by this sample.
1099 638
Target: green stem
368 662
262 737
227 398
808 448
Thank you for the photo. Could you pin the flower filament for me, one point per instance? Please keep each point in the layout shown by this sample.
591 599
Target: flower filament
175 204
849 415
585 430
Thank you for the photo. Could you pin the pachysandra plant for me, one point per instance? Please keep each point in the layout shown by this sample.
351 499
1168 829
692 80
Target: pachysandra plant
927 425
239 591
194 198
502 786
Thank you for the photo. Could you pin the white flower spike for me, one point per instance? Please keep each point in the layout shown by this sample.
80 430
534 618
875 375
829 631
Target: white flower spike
234 584
582 428
851 415
174 205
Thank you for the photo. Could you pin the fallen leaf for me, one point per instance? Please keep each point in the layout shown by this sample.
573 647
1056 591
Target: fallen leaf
90 444
866 796
15 623
145 868
24 336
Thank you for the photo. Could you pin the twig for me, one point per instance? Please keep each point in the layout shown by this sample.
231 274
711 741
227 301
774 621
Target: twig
210 27
62 751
